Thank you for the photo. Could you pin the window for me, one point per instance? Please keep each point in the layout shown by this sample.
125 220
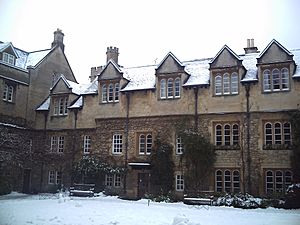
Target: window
179 182
51 179
277 133
227 135
163 89
55 177
145 144
227 181
277 180
8 58
8 93
277 80
57 144
117 180
226 84
86 144
117 144
104 93
170 88
109 180
60 106
110 92
179 146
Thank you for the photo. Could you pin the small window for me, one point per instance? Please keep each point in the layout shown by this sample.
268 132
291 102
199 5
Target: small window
110 93
267 80
275 80
53 145
219 181
142 143
177 87
227 181
179 146
163 88
109 180
285 79
234 83
60 106
58 177
116 92
278 181
236 181
61 142
86 144
51 179
117 180
277 128
117 144
269 182
145 144
287 133
235 134
227 134
218 85
179 182
268 134
8 58
226 84
149 144
218 135
170 88
288 178
104 93
8 93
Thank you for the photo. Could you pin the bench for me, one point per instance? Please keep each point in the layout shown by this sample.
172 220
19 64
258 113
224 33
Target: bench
198 201
84 190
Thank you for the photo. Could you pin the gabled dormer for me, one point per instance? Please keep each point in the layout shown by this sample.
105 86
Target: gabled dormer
170 75
110 81
8 53
275 66
226 69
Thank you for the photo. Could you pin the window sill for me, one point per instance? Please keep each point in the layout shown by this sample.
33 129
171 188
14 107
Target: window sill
9 102
227 147
225 95
277 147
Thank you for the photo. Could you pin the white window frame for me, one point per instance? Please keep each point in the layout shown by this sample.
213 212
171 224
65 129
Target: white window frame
116 92
51 177
170 88
179 145
54 143
278 135
219 181
104 93
110 92
8 58
61 143
218 129
86 144
179 182
58 177
117 144
285 76
117 180
163 89
108 180
8 93
234 83
277 180
267 80
177 88
218 85
145 144
226 84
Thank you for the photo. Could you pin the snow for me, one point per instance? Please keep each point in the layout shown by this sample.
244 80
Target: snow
198 71
11 125
45 105
50 209
296 57
30 59
249 62
138 164
77 104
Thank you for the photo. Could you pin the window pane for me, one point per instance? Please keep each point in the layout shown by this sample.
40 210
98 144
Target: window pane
177 87
116 92
227 134
287 133
218 135
170 88
87 144
179 182
288 178
104 93
218 85
10 93
51 179
285 79
5 92
226 84
53 146
277 133
117 143
268 134
66 106
276 79
109 180
236 181
149 144
267 80
110 93
142 144
61 141
278 181
234 83
269 182
219 181
179 145
163 88
235 134
117 182
227 181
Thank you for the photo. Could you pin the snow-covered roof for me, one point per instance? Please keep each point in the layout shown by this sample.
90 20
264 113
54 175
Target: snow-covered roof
92 88
296 58
138 164
45 105
77 104
5 45
76 88
30 58
140 78
249 62
198 71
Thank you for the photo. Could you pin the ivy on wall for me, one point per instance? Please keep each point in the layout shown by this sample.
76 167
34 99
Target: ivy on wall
295 158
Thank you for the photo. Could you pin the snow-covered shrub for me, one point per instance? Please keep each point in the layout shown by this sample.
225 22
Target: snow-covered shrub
292 199
244 201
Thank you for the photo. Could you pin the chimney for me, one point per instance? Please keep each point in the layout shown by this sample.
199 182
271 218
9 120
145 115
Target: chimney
250 47
112 53
95 71
58 39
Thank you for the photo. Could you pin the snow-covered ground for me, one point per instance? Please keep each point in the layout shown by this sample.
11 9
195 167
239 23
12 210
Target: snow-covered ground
47 209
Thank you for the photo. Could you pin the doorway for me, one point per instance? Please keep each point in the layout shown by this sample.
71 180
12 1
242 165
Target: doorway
26 181
143 184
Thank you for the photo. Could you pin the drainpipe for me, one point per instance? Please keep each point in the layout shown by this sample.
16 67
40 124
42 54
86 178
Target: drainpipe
126 139
45 141
196 108
74 141
247 88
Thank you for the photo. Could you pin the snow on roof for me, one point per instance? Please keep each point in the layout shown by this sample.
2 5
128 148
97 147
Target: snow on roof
92 88
296 54
78 103
11 125
30 58
249 62
77 89
140 78
138 164
45 105
198 71
3 46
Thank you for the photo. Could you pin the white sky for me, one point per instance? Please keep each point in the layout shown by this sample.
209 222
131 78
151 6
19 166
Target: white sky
145 31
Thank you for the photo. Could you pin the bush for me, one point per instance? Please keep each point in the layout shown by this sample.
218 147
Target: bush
292 199
239 201
5 187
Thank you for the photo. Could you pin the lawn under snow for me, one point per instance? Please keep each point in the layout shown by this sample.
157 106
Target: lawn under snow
47 209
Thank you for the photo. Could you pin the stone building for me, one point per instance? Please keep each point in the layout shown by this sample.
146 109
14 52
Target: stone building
240 102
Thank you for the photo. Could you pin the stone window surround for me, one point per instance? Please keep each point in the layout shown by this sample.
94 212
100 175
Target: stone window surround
117 144
8 94
227 180
220 73
234 135
170 92
179 182
145 141
86 144
285 137
108 94
276 182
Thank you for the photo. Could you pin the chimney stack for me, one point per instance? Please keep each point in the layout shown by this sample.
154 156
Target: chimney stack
112 53
250 47
58 39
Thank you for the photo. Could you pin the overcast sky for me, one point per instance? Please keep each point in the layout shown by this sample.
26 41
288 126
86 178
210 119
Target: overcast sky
146 30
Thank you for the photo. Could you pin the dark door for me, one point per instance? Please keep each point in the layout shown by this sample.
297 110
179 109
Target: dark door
143 184
26 181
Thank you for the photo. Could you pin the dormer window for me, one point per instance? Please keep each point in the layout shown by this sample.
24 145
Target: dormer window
226 84
8 58
170 88
110 92
60 106
276 80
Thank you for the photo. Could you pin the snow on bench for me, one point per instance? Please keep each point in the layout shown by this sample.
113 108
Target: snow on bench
82 190
197 201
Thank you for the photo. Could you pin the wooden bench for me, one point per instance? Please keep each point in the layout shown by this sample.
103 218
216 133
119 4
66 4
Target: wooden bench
82 190
198 201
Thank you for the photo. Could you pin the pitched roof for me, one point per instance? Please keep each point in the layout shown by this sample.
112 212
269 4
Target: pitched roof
77 104
5 45
76 88
222 49
171 55
278 44
27 59
198 71
249 62
45 105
